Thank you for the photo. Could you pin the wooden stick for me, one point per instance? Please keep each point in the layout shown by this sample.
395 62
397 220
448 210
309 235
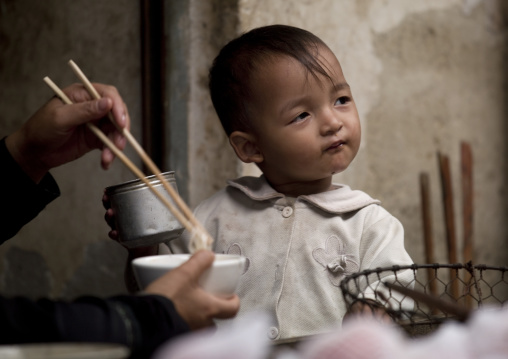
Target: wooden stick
123 158
145 158
467 200
446 184
461 313
427 230
467 211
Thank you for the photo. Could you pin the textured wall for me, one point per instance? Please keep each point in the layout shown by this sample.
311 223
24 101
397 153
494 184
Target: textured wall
210 156
199 150
426 75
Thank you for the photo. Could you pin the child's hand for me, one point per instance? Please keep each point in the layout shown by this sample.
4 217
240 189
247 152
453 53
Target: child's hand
368 307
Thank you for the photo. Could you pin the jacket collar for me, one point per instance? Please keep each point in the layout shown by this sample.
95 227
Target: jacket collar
341 199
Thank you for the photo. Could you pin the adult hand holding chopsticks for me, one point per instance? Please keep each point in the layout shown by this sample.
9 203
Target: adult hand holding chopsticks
200 238
57 134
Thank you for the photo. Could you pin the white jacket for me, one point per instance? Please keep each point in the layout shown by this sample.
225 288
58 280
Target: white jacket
299 250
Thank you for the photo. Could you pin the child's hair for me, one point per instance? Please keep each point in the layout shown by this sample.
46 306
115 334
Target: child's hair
231 70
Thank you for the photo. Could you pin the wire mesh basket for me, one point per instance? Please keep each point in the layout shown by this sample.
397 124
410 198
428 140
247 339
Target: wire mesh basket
464 285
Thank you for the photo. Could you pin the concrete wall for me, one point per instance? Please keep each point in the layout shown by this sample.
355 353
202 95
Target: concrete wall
199 151
426 75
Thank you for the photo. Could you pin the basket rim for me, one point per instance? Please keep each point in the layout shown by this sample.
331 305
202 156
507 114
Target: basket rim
468 266
428 265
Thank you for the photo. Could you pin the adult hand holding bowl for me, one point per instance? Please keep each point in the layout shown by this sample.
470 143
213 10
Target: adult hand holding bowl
221 278
195 305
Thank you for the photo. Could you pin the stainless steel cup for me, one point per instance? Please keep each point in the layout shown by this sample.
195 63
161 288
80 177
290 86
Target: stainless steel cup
140 217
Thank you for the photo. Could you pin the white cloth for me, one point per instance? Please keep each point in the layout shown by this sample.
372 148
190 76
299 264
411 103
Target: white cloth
241 339
483 336
299 250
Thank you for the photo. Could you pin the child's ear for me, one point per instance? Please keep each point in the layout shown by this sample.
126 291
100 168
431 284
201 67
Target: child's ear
245 147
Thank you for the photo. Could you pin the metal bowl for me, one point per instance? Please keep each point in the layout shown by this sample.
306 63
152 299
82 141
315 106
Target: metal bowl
140 217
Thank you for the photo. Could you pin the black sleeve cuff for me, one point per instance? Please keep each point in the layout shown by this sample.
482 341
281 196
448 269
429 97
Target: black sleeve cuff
22 199
155 321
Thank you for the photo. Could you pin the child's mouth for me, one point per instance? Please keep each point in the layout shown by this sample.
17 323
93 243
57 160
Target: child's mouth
336 145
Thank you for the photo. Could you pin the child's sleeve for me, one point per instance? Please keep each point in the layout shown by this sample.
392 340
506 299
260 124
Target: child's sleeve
382 246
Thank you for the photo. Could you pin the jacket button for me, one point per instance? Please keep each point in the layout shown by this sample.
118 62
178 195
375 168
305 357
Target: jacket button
287 212
273 332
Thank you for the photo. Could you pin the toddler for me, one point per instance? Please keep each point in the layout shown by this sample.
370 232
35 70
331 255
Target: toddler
286 106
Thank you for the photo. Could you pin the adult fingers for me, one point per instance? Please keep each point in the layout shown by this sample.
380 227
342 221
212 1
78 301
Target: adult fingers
83 112
227 308
109 217
106 202
107 155
113 234
119 110
78 93
198 263
107 158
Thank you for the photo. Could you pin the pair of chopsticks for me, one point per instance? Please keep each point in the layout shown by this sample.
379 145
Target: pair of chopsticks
199 236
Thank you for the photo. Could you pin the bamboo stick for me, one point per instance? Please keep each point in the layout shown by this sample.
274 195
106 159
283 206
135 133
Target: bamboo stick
447 192
427 230
467 212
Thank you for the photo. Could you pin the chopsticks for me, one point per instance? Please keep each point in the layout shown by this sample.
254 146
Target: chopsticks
199 236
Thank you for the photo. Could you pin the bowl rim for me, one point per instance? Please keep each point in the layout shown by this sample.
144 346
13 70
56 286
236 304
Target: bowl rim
157 261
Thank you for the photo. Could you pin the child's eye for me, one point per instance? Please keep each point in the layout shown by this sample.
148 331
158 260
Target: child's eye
300 117
342 100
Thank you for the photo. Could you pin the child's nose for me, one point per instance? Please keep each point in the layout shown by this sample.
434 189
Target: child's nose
331 123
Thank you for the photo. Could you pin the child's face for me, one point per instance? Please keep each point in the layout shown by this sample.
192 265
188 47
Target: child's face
305 128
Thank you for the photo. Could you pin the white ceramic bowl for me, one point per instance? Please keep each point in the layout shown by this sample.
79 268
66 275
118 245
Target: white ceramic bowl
221 278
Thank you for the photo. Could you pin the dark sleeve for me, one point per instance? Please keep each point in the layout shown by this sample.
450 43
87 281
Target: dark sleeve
141 323
21 199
